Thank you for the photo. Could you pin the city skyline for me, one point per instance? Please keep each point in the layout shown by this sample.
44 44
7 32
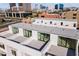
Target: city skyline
6 5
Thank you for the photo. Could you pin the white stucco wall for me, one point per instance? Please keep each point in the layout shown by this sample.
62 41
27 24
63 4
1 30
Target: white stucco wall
34 35
10 29
57 22
53 39
19 47
19 53
20 31
8 50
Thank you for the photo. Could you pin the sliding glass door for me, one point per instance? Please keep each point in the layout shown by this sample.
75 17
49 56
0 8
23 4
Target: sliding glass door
27 33
15 30
43 37
67 42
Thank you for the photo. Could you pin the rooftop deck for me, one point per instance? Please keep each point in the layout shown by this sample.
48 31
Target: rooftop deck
69 33
60 51
28 42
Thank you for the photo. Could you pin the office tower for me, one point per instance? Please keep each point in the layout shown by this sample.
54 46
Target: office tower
42 7
24 7
36 6
13 7
59 6
56 6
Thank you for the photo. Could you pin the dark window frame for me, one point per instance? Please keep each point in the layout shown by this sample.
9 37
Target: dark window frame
50 22
74 14
61 23
41 21
14 52
2 46
68 42
74 17
27 33
15 30
43 37
74 25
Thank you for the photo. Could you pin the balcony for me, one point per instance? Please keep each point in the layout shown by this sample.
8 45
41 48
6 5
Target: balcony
27 41
60 51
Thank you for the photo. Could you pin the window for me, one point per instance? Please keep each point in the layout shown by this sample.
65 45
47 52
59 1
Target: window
61 23
2 45
33 21
66 25
64 17
3 54
41 21
17 15
15 30
74 25
10 14
37 22
50 22
27 33
43 37
13 52
42 16
20 4
78 49
45 23
74 14
74 17
67 42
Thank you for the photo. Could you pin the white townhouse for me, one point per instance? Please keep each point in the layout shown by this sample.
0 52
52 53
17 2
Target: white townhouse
38 40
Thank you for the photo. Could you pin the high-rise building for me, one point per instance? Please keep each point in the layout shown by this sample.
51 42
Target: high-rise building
23 10
43 7
24 7
12 4
59 6
56 6
13 7
36 6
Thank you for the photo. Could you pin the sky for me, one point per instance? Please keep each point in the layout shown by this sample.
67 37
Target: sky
6 5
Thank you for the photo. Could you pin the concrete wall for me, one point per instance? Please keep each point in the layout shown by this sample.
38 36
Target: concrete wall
53 39
20 31
34 35
10 29
56 23
19 48
8 50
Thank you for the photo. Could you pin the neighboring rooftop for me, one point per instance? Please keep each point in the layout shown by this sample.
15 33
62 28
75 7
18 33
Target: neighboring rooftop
54 19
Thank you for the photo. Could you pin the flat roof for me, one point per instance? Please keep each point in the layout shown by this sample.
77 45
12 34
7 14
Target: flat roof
64 32
55 19
60 51
35 44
